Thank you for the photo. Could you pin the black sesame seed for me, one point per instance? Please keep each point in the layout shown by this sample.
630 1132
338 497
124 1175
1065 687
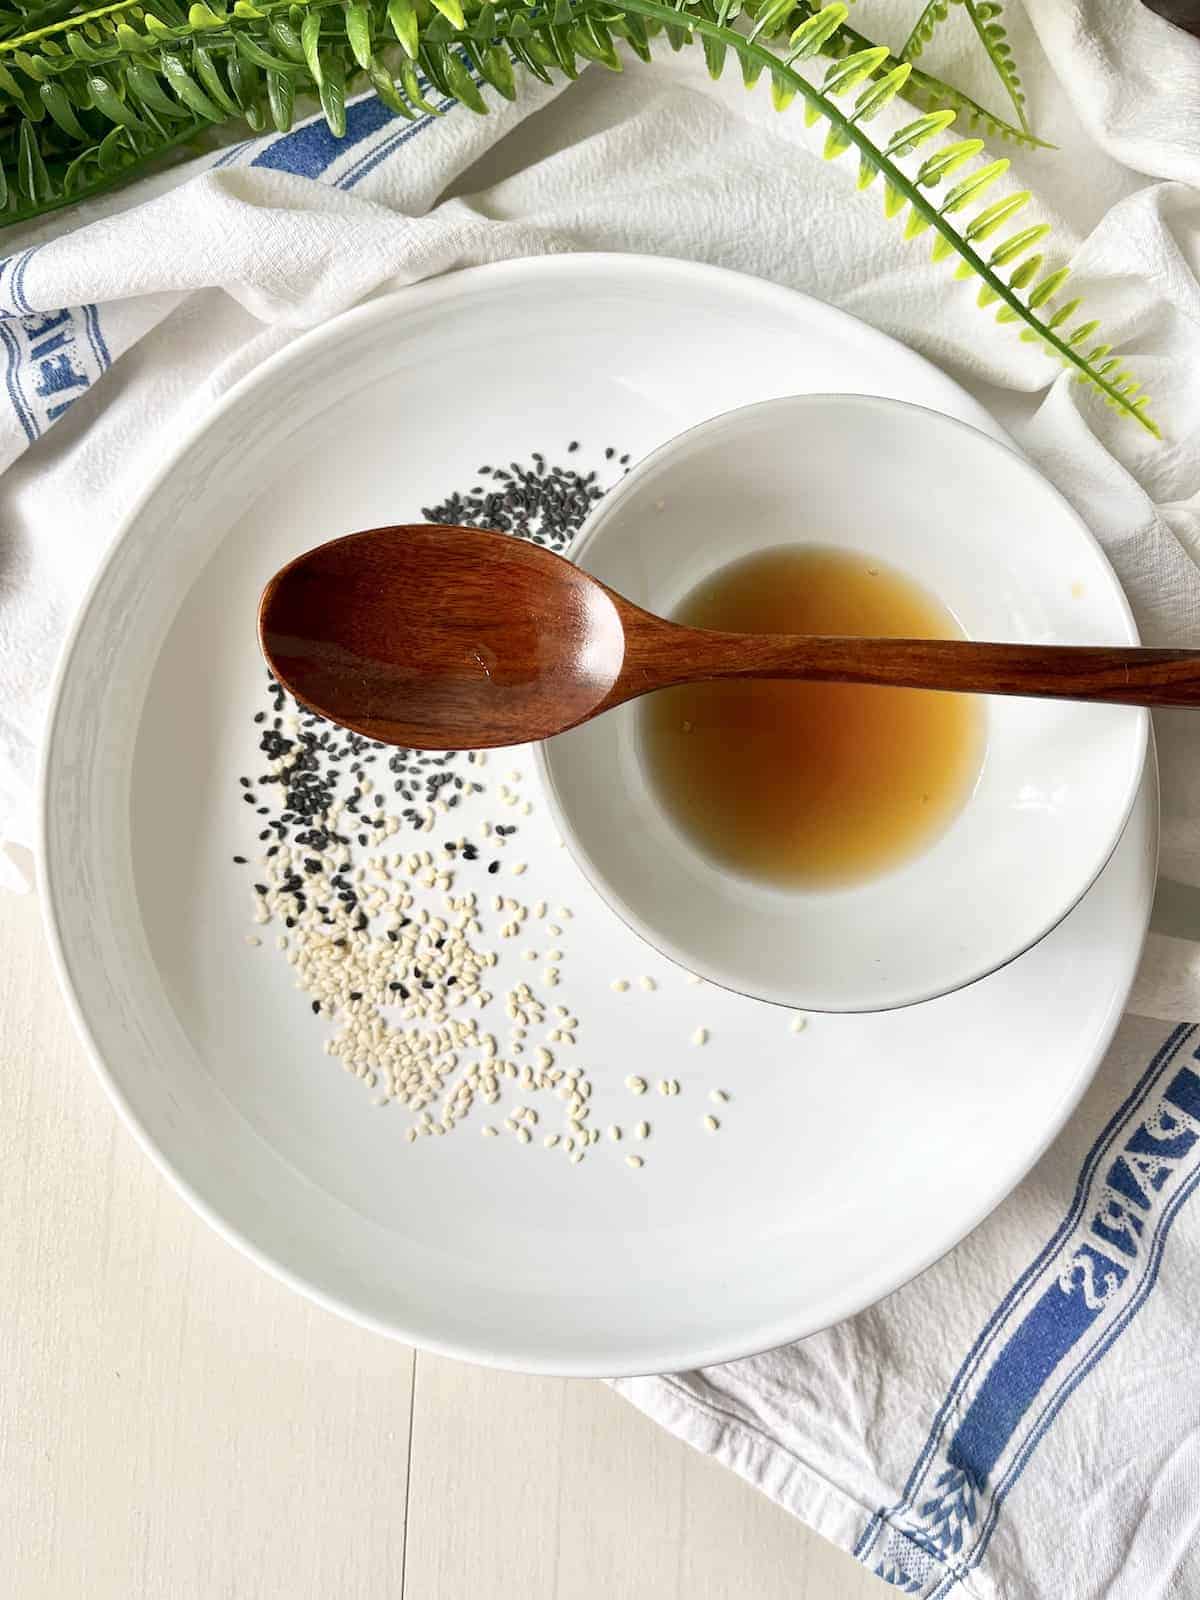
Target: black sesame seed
239 861
494 867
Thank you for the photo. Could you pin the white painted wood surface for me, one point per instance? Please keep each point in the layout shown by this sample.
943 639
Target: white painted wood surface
173 1423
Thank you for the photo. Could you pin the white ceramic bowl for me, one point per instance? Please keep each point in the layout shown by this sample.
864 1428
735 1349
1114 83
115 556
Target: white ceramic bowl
976 525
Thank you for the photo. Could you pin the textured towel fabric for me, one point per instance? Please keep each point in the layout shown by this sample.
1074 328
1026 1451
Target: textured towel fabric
1021 1420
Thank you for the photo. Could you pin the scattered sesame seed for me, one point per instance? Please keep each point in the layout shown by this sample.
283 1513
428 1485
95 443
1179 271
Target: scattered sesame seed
799 1024
711 1124
700 1036
634 1161
718 1096
642 1131
636 1085
619 985
648 984
614 1132
400 987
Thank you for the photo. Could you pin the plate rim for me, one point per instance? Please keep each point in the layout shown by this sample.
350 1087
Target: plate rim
404 301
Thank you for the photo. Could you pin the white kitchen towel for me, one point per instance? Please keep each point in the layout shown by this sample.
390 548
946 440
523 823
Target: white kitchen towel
1022 1420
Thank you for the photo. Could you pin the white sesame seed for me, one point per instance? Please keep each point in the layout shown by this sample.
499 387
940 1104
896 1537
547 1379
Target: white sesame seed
648 984
489 1132
253 939
634 1161
636 1085
614 1132
664 1086
619 985
692 978
799 1024
550 1140
711 1124
553 929
642 1131
718 1096
700 1036
518 867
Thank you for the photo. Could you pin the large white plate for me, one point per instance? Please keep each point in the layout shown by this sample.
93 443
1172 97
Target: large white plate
849 1156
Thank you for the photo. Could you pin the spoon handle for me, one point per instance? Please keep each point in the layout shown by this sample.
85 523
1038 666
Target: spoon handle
1118 675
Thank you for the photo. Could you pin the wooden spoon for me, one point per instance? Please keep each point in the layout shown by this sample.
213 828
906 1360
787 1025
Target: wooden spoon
443 638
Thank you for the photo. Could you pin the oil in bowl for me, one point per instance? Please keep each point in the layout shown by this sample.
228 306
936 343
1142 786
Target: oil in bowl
812 785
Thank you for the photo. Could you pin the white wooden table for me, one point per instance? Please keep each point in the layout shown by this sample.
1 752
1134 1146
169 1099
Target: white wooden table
173 1423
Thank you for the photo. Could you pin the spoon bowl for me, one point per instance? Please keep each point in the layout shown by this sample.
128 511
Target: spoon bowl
442 638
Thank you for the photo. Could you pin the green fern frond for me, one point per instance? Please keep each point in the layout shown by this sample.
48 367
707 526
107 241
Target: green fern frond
926 90
931 93
1022 295
923 29
86 100
993 36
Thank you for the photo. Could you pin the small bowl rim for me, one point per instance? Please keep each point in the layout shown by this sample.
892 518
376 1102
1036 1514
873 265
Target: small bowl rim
596 878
